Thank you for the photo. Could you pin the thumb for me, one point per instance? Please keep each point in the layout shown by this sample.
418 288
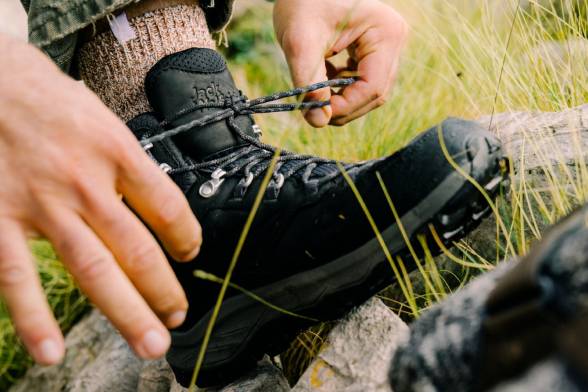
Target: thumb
306 58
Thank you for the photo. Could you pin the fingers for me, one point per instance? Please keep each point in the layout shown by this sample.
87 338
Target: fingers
375 54
105 284
21 289
140 257
306 59
372 32
377 71
162 205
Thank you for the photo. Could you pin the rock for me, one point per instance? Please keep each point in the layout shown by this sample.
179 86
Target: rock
265 378
542 137
546 376
358 352
156 376
565 56
98 359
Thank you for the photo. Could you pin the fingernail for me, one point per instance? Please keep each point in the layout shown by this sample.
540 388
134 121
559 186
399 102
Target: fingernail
155 343
176 319
49 352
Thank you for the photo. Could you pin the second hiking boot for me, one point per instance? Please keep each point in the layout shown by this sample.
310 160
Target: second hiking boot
311 249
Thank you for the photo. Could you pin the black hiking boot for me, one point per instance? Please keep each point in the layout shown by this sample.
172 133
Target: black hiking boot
310 250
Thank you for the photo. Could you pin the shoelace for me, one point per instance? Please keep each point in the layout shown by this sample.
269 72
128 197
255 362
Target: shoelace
255 157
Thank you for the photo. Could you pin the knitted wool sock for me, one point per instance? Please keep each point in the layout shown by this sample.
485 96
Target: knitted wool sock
116 72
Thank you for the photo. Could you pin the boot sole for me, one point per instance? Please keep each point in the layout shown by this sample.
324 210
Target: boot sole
247 329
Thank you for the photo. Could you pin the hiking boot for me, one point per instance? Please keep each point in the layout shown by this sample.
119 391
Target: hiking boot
520 327
311 249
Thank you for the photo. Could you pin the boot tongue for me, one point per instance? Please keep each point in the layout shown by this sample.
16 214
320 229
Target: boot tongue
193 77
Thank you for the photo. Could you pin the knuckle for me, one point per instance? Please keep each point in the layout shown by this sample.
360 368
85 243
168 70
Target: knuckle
291 43
28 326
108 218
135 325
82 186
396 24
143 258
125 153
67 168
380 97
116 145
170 211
171 301
138 320
90 268
77 120
185 250
339 122
13 274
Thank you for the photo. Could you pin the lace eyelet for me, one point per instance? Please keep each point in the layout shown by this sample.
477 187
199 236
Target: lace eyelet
165 167
257 130
280 180
210 187
248 180
148 146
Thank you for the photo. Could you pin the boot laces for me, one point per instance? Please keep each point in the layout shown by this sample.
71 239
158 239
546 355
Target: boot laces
255 157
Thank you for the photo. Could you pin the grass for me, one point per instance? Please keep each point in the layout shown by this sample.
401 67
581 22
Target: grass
64 298
466 59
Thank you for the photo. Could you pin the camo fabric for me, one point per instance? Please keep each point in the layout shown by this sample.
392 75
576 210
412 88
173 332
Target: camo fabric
445 341
450 347
54 24
547 376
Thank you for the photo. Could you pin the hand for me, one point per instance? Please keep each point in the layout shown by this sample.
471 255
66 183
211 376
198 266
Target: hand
312 31
64 160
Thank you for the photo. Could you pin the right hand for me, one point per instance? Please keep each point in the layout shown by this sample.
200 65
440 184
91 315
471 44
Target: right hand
64 160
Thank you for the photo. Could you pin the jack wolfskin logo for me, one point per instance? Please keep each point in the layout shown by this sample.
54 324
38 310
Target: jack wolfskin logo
213 93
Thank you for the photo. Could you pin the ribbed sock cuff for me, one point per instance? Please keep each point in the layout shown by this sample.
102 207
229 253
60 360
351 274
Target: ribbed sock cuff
116 72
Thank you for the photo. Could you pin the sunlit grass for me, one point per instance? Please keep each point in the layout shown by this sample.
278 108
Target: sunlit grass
468 59
465 58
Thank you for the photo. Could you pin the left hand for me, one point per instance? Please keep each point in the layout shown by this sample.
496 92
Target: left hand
312 31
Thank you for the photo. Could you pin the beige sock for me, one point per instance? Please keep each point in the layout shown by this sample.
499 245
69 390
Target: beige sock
116 72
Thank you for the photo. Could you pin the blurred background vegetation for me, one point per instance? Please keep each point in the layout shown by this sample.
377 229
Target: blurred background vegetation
466 58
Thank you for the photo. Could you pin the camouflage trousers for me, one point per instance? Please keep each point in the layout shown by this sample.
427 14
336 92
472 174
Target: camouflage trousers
54 25
520 327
